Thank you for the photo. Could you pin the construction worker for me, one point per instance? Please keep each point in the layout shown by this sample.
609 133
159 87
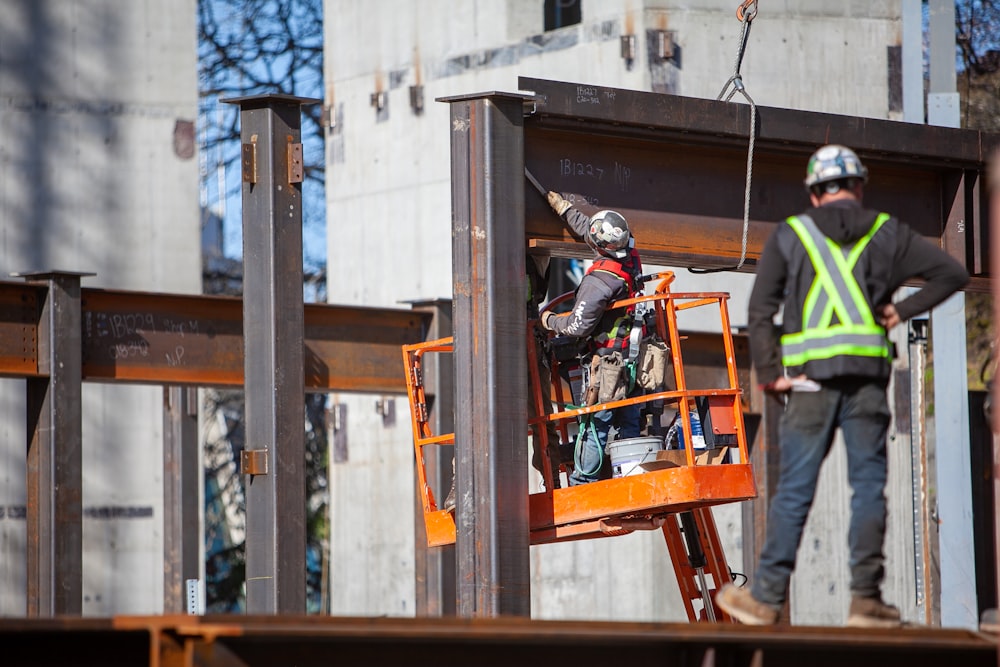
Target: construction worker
614 275
834 269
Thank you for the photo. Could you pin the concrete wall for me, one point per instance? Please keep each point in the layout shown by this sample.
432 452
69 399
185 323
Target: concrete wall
98 174
389 217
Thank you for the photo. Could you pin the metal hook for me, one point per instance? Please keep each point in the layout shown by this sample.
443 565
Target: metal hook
743 15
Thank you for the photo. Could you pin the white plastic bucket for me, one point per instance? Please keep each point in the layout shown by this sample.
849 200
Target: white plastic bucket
627 454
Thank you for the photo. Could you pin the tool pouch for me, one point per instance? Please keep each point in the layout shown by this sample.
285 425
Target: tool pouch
654 356
610 376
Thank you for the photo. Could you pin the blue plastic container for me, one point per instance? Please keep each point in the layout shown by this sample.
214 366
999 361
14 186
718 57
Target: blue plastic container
697 435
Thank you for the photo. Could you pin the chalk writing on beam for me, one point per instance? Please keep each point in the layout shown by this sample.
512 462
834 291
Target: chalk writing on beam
176 357
576 199
587 95
623 176
568 167
119 325
180 327
130 349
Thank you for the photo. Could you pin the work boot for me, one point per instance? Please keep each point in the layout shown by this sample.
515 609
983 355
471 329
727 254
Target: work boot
449 501
872 613
554 462
741 605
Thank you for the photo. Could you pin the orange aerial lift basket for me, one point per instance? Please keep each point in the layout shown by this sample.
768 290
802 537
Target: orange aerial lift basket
672 490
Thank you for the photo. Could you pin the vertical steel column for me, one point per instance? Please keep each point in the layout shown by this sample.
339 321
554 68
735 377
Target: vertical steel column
55 463
948 334
435 567
913 60
765 457
993 175
273 334
181 496
491 432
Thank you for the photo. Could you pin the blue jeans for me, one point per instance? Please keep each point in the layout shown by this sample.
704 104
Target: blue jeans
807 428
589 459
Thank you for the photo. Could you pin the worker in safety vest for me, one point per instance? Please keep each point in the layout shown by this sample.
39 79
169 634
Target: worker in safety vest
834 269
614 342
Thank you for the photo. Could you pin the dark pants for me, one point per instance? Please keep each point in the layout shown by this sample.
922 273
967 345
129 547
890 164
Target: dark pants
807 429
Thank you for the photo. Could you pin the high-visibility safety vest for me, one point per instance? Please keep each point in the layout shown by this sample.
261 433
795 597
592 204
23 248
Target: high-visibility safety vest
837 320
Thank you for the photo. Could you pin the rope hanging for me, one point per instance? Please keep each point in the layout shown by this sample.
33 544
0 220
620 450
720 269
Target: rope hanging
746 13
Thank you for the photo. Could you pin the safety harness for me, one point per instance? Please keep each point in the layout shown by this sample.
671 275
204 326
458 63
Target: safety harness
616 326
834 293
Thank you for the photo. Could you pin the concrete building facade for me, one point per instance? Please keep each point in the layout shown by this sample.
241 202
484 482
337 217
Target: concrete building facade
99 174
389 242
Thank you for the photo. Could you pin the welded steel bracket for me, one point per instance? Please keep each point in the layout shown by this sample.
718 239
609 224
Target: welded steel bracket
253 462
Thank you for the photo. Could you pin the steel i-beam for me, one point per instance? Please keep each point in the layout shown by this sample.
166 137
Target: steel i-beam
435 566
273 330
491 439
677 168
55 462
181 496
994 184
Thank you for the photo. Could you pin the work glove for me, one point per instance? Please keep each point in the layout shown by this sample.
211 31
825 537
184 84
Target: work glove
547 318
558 204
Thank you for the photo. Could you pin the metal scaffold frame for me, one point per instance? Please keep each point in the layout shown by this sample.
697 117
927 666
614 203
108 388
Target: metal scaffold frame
674 166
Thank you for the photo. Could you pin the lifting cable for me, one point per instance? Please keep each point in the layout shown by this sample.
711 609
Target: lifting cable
746 13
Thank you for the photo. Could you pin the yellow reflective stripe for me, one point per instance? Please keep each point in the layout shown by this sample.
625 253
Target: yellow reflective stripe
812 296
846 267
822 273
877 225
614 328
831 332
840 350
857 340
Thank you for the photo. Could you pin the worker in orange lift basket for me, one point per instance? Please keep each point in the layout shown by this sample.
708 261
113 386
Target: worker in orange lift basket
834 269
613 334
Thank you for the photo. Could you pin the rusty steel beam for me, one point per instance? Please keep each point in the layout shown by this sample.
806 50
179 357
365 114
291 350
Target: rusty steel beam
162 338
994 194
194 340
19 304
180 342
357 348
490 355
54 452
676 167
182 496
306 641
434 567
273 334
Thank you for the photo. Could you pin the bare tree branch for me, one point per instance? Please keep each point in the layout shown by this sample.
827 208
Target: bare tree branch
248 47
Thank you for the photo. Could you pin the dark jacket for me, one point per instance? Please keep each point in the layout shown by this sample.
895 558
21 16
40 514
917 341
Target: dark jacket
895 254
597 290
